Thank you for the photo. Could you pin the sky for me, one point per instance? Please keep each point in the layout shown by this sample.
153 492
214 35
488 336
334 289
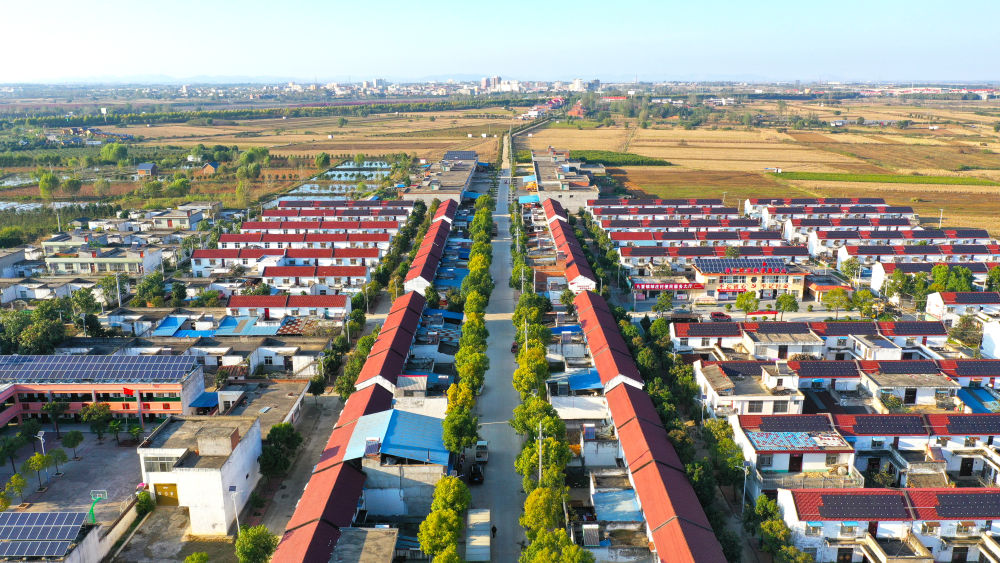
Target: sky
333 40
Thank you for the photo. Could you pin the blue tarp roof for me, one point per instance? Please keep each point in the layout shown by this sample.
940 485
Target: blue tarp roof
575 329
452 277
528 199
588 379
404 434
472 195
244 326
207 400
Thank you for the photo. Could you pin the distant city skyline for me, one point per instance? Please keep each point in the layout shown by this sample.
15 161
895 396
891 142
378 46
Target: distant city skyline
312 41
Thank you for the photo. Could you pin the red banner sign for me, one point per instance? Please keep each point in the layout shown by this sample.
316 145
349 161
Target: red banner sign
661 286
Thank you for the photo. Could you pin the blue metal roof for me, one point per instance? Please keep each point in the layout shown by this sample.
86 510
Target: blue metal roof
244 326
978 400
575 329
403 434
588 379
528 199
169 326
617 506
207 399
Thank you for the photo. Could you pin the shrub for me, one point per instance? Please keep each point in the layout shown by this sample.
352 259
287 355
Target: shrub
144 504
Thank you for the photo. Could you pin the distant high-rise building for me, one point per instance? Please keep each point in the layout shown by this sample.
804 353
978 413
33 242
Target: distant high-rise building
494 82
379 82
484 84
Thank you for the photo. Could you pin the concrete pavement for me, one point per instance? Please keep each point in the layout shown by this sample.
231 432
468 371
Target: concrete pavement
501 491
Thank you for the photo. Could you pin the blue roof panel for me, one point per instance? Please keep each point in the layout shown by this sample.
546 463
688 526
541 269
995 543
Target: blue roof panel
617 506
206 400
403 434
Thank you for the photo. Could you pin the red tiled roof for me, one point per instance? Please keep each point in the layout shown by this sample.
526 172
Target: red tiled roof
289 271
329 301
680 541
808 501
371 399
336 446
257 301
341 271
925 503
310 252
665 495
330 496
311 543
626 403
216 253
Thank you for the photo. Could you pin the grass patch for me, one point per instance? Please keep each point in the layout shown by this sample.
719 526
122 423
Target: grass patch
575 124
522 157
611 158
886 178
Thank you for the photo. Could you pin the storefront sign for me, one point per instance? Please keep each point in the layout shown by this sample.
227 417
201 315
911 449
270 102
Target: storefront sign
668 286
750 286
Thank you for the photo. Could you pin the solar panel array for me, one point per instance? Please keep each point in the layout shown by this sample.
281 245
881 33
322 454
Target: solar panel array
741 368
908 366
829 368
713 329
882 425
863 507
969 505
971 425
977 367
719 265
783 328
38 534
33 549
913 328
850 327
976 297
105 369
794 423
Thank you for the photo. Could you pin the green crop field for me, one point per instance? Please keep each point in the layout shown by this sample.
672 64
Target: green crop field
611 158
886 178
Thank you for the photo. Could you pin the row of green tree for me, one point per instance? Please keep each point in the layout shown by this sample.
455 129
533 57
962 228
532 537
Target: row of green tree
460 426
359 109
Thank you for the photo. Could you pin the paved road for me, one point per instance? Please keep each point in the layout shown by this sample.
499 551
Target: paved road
501 492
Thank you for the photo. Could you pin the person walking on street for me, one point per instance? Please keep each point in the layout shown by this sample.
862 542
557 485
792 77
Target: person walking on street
493 530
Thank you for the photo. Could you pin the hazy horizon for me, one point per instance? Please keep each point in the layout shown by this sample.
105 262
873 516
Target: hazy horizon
65 42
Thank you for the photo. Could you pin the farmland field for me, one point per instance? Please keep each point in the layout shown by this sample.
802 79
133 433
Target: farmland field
954 166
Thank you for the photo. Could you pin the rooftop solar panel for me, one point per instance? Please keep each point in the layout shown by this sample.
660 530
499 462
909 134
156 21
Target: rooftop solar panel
829 368
972 425
109 369
977 367
863 507
783 328
908 366
913 328
713 329
719 265
794 423
883 425
850 327
979 504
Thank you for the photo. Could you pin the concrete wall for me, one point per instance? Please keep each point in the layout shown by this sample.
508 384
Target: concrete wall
415 483
191 388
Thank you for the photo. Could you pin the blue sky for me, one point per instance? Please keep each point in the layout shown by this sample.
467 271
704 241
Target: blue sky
81 40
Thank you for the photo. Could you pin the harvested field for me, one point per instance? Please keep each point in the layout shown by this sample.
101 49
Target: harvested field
812 138
608 139
964 206
918 157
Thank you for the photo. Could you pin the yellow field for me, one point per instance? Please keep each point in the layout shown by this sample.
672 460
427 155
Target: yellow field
415 133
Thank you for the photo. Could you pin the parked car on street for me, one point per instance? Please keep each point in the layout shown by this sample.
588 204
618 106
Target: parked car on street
477 474
720 317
